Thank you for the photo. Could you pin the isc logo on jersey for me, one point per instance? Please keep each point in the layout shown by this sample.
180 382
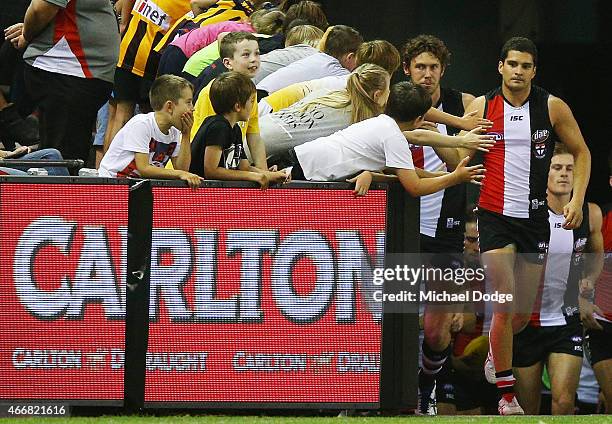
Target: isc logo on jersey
149 10
538 138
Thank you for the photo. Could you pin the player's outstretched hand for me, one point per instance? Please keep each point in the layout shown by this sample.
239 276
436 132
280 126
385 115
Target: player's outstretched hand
362 183
471 121
476 140
469 174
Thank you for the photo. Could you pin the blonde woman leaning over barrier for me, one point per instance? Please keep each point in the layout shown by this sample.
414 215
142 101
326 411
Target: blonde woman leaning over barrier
324 112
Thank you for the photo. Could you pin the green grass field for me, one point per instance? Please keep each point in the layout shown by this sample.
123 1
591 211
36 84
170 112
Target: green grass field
218 419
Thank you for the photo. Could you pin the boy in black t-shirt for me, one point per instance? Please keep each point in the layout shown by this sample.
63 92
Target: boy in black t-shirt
217 151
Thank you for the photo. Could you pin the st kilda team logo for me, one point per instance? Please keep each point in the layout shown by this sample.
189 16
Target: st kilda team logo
538 138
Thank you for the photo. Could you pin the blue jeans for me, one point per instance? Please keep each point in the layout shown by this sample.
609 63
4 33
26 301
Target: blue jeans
44 154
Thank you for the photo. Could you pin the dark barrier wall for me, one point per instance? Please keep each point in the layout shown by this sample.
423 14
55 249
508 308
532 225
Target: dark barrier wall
257 299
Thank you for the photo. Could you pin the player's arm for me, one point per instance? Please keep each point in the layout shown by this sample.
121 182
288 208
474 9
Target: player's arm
593 266
39 14
147 170
467 122
466 99
477 107
567 130
594 260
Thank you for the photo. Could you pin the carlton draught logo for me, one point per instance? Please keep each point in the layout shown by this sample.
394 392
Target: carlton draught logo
149 10
179 257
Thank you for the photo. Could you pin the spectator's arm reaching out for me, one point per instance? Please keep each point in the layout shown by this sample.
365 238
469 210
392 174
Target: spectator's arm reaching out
472 140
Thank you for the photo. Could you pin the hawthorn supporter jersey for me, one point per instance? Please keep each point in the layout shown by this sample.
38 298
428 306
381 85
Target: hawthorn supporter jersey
442 212
517 165
149 21
224 10
557 300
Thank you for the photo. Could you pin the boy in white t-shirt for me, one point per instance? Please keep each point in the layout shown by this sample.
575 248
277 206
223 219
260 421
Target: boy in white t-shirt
143 147
368 147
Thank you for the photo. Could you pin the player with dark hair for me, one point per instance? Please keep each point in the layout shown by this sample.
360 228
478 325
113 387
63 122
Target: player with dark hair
425 58
512 212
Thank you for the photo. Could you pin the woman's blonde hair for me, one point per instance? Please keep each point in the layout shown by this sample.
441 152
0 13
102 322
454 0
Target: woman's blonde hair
267 22
359 93
304 34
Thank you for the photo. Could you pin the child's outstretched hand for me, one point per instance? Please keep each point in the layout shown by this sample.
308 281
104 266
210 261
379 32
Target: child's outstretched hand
193 180
263 180
278 177
362 183
469 174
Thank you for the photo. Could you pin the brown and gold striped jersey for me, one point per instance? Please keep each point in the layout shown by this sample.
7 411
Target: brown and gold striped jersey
224 10
149 21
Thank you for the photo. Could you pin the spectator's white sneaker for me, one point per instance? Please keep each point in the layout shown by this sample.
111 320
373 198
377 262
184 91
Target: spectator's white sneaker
489 370
509 408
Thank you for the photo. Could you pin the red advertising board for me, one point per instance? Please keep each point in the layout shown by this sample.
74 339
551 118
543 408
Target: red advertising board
62 302
256 296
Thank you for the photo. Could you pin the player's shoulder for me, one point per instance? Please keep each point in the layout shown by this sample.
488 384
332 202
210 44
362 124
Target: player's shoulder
595 214
558 109
477 103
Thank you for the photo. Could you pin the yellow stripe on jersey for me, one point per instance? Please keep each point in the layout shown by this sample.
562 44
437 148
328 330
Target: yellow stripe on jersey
224 10
289 95
149 20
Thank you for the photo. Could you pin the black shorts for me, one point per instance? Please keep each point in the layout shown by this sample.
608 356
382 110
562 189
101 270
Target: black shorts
534 344
130 87
442 252
599 342
172 61
529 235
